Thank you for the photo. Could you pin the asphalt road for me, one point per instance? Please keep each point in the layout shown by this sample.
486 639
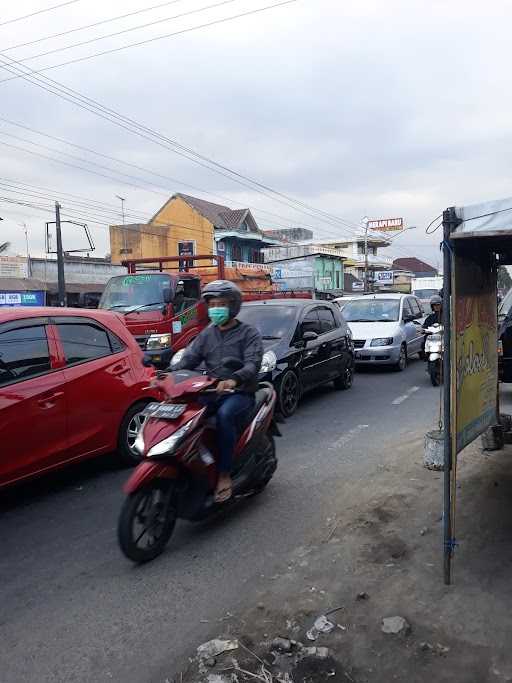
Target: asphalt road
73 609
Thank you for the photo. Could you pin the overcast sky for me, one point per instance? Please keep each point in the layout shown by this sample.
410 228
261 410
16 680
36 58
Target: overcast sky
384 109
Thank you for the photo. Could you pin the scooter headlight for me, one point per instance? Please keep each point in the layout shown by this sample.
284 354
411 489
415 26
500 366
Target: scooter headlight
169 444
177 358
159 342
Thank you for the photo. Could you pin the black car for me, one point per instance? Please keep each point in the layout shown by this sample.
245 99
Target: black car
307 343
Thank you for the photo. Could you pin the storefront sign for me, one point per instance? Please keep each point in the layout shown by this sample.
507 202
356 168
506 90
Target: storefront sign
384 277
22 298
387 224
474 384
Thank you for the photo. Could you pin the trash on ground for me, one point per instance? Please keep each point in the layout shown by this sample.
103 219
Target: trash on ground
362 596
214 648
321 625
395 625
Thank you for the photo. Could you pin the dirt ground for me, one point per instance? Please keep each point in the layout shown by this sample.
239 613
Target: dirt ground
386 541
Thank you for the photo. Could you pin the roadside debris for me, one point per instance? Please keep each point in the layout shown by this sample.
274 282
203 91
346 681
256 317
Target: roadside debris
395 626
321 625
362 596
216 647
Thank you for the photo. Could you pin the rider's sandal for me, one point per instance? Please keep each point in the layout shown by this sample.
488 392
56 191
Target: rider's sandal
223 495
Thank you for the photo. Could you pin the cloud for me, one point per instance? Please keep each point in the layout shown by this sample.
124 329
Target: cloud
374 108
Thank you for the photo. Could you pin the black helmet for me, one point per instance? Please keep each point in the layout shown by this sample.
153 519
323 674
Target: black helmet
227 290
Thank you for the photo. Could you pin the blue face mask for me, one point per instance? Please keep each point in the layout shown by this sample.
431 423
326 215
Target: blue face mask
219 315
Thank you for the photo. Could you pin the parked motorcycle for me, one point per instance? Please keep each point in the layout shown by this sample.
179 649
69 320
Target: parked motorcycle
434 346
178 475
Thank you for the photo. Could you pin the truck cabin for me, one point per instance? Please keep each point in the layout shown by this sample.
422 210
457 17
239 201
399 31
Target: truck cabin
151 291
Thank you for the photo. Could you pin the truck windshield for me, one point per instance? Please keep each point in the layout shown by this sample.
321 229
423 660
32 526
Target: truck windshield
144 291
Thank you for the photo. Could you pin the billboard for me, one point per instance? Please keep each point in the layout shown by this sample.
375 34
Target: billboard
386 225
474 335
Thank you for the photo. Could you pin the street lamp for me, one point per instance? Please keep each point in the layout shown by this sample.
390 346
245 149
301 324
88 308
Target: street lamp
122 200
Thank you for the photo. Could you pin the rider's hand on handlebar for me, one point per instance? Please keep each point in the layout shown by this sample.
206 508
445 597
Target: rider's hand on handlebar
226 385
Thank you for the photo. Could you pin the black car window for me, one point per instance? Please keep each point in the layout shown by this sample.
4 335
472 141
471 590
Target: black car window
272 321
327 321
311 322
83 341
23 353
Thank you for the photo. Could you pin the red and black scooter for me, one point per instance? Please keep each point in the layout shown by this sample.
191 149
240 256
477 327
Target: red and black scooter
178 474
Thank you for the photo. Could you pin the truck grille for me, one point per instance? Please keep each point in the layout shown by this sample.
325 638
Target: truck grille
141 341
359 343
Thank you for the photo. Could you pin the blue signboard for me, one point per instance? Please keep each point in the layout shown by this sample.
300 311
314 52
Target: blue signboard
22 298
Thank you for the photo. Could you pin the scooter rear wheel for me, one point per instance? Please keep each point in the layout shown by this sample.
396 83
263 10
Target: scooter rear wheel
147 521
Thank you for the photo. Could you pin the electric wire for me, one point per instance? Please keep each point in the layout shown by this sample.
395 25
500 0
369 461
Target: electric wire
40 11
87 26
82 43
157 38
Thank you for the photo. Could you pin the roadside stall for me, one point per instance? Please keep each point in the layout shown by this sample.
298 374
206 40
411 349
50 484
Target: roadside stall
477 240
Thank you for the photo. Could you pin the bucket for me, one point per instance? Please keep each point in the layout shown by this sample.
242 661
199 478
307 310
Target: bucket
433 458
493 439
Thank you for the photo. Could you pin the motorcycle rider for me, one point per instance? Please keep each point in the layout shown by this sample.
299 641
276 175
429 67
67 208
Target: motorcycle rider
436 317
226 337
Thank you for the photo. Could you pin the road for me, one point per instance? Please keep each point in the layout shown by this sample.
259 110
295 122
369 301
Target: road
73 609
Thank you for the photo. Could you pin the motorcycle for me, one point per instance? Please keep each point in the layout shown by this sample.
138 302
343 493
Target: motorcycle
434 347
178 475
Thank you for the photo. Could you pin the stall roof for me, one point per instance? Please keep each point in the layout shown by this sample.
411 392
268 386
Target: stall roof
489 219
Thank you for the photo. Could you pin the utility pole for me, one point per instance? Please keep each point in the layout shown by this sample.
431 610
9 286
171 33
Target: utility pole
122 200
25 230
60 258
366 255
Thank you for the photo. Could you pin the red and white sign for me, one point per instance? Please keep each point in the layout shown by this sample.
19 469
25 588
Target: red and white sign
387 224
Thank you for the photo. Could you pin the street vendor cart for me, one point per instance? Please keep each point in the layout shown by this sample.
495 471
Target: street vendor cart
477 240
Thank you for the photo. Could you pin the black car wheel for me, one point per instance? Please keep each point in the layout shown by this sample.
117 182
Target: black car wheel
288 393
346 379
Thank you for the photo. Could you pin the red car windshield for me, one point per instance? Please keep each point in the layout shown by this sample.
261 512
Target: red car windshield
126 293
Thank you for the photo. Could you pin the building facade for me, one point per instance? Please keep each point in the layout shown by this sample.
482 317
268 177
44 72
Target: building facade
187 225
306 266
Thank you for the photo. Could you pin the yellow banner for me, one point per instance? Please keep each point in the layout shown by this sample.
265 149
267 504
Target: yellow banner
474 338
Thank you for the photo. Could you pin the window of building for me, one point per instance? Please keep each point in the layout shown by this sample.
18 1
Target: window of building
23 353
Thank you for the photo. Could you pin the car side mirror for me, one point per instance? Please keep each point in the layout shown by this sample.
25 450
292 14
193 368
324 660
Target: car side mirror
309 336
167 295
232 364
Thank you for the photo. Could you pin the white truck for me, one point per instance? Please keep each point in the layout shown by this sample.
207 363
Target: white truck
425 288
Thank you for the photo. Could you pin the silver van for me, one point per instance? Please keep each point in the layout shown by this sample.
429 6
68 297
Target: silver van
386 328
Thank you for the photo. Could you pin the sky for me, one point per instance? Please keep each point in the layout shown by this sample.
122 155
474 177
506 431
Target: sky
355 109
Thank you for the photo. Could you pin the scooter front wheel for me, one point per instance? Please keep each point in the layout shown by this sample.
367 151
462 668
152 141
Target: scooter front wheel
146 522
434 370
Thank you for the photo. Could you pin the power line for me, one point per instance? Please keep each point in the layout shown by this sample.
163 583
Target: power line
40 11
97 23
156 38
117 119
151 172
126 30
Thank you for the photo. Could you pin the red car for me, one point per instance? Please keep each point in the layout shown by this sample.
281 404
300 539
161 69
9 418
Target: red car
72 386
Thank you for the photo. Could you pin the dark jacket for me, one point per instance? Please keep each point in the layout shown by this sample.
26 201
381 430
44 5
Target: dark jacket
433 319
212 346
